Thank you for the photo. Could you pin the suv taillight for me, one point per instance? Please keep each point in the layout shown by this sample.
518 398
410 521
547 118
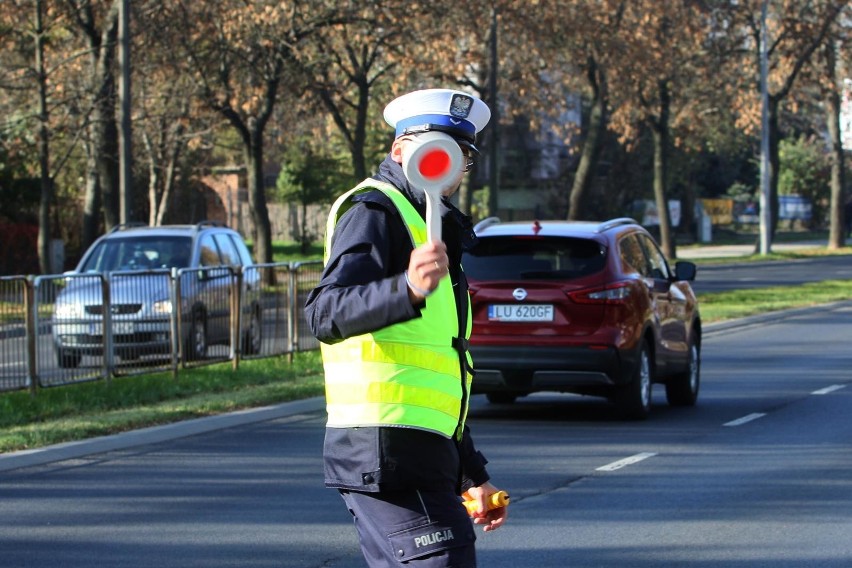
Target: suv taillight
611 294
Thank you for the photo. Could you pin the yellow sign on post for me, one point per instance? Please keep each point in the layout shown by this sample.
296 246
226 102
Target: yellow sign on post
721 211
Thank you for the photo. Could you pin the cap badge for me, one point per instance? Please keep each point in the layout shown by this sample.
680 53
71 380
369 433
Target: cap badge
460 105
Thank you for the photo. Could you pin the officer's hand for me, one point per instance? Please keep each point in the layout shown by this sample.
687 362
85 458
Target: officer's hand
426 266
492 519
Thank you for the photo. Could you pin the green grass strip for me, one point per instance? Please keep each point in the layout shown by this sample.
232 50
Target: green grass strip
80 411
720 306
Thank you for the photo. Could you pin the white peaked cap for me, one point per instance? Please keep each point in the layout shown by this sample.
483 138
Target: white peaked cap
456 113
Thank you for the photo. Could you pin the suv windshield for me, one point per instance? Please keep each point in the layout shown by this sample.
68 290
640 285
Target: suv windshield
513 258
139 253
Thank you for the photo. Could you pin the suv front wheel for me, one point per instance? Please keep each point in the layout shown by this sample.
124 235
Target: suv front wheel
67 359
682 389
253 339
634 398
196 342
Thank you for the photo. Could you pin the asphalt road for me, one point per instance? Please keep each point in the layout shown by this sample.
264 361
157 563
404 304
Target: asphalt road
759 474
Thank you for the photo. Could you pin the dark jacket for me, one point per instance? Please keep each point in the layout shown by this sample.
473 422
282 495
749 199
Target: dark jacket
363 289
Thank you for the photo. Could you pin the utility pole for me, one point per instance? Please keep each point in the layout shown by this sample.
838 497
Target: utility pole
125 133
494 149
765 200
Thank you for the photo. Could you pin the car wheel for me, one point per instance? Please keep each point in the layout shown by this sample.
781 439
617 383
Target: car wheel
501 397
68 359
196 341
682 389
634 398
253 339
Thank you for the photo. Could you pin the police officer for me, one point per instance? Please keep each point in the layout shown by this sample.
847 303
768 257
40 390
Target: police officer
392 313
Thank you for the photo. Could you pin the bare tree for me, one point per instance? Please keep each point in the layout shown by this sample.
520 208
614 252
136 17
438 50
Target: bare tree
797 29
98 26
242 54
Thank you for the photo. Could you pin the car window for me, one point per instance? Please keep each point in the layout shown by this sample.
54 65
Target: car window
178 253
227 250
242 250
209 251
632 256
659 268
517 258
137 253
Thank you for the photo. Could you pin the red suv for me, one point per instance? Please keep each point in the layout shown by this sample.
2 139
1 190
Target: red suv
587 308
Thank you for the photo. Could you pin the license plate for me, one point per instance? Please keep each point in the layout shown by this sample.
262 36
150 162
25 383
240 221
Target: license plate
118 328
520 312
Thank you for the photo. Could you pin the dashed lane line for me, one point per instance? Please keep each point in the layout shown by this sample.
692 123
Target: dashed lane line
636 458
626 461
745 419
827 390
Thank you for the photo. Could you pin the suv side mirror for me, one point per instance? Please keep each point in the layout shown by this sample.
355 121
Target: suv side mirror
685 270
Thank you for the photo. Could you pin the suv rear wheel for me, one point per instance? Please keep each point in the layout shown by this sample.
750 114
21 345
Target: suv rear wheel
634 398
501 397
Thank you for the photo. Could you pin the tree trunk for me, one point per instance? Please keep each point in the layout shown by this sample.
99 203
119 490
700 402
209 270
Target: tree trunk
666 241
153 180
44 227
91 201
257 197
837 222
105 140
169 184
359 163
660 129
774 163
103 131
163 158
592 143
588 159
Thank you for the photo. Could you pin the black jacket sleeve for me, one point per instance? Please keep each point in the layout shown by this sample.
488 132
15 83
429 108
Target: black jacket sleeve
363 287
473 463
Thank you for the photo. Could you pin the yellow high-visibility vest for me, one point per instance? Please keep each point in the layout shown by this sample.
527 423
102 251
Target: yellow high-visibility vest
407 374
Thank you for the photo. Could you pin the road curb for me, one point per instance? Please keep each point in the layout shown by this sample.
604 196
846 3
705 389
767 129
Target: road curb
155 434
761 319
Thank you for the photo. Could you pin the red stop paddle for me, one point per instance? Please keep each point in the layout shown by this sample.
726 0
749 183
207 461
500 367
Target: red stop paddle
432 163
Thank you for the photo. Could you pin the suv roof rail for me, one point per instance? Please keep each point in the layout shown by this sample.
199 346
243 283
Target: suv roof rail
606 225
130 225
487 222
209 223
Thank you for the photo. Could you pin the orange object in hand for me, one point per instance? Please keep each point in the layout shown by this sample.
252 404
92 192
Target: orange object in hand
494 501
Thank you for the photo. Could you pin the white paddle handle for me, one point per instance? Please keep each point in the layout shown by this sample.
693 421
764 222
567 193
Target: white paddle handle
433 216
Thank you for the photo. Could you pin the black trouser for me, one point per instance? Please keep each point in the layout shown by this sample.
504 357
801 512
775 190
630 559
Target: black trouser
424 529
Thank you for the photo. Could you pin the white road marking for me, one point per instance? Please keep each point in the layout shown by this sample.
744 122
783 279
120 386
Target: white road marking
827 390
744 419
626 461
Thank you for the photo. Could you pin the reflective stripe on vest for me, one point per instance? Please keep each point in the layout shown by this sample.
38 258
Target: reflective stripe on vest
407 374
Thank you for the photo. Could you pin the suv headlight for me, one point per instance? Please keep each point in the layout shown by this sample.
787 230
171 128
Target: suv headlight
162 307
68 311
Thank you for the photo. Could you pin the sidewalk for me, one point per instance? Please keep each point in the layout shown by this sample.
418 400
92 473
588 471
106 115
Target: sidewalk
730 251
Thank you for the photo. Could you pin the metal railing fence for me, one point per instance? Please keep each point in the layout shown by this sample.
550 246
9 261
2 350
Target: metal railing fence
69 328
15 303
